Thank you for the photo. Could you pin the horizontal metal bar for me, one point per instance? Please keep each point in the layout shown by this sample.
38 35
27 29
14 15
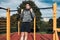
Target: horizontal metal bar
3 8
47 17
13 10
46 8
16 10
58 29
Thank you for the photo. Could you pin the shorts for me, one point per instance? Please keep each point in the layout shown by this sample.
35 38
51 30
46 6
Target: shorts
25 27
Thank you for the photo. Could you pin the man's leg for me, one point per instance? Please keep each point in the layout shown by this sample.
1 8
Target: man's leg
26 35
22 36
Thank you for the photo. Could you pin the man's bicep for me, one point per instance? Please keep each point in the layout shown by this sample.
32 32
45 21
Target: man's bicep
21 15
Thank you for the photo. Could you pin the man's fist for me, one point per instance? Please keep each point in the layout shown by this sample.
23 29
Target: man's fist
21 10
31 10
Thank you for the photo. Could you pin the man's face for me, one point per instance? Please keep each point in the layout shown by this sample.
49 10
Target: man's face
27 6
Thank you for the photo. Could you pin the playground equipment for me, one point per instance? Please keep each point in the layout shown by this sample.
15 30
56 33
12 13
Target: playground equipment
8 24
35 28
55 29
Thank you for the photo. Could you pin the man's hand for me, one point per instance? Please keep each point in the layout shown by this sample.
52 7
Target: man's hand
31 10
21 10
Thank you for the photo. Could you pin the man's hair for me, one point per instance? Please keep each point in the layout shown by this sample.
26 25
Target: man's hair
28 3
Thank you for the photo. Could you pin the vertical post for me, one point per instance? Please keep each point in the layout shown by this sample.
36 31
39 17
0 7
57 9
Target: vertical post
55 35
35 28
18 27
8 24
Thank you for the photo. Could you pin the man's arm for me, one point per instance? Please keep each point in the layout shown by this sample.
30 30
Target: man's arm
33 14
21 15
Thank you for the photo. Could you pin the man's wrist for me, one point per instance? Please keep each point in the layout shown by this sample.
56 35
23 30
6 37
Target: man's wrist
31 10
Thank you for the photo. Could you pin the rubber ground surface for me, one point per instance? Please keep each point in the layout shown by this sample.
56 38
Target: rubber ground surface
15 36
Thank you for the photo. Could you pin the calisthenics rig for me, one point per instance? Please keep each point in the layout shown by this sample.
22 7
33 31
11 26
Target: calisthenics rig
55 29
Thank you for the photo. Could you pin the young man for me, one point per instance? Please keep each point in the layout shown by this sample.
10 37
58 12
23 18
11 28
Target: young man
27 16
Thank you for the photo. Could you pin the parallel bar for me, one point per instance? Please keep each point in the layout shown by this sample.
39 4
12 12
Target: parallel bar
8 24
35 28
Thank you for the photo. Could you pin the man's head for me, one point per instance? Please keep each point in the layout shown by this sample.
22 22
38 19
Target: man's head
28 6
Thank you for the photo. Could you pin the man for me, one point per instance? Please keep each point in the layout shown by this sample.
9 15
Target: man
27 16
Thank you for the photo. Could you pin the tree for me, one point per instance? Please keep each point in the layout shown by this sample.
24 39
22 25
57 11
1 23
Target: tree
51 22
14 22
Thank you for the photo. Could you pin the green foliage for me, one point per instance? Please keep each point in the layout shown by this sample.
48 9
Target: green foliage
14 20
58 22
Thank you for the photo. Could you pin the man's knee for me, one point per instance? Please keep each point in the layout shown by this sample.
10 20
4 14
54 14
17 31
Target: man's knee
26 33
22 33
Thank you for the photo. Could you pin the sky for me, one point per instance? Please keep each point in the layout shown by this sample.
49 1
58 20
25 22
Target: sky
13 4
